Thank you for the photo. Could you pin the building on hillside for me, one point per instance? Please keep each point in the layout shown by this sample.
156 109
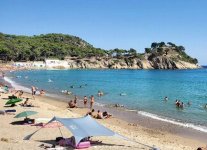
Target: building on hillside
25 64
56 63
38 64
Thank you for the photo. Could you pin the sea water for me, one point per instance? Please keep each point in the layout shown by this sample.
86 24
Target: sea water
139 90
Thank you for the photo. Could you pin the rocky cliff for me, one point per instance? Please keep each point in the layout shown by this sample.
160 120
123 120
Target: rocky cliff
160 62
159 56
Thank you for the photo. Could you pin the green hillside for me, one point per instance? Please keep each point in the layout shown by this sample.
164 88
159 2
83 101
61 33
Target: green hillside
24 48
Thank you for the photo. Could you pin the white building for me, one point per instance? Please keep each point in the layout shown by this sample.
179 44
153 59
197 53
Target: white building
23 64
55 63
38 64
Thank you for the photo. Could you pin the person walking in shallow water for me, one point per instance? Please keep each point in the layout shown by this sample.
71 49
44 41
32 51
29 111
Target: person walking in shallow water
92 102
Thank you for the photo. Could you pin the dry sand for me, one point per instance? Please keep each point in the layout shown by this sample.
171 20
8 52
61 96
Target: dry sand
11 136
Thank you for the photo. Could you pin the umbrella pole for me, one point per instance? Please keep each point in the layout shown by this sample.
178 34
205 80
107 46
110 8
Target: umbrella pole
60 131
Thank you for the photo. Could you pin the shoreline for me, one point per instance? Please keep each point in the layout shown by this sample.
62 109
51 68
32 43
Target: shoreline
50 107
139 119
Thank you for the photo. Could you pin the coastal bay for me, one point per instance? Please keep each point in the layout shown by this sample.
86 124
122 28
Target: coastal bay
156 126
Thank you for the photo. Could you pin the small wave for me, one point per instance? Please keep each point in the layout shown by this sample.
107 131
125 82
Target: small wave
99 104
172 121
49 80
132 110
16 85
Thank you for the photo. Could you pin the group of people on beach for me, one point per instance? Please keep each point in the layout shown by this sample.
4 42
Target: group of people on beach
99 115
34 91
73 103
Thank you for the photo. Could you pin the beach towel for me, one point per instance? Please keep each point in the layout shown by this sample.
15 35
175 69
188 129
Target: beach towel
10 110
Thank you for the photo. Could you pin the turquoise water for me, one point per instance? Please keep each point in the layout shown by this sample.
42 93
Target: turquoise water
144 89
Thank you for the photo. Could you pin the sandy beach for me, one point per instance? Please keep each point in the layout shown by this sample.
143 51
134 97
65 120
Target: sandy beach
12 135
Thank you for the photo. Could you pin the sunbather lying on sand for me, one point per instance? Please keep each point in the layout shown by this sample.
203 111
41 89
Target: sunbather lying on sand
26 103
103 115
71 104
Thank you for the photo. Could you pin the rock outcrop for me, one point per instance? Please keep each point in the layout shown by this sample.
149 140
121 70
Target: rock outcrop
160 62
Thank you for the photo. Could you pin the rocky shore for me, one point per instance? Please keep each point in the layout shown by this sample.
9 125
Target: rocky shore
161 62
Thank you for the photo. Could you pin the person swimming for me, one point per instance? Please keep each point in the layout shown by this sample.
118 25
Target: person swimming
177 103
100 93
189 103
166 98
181 105
205 106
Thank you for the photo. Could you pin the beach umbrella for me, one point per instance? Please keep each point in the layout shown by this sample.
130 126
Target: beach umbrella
13 101
25 114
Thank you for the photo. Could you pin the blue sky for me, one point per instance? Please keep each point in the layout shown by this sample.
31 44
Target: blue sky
113 24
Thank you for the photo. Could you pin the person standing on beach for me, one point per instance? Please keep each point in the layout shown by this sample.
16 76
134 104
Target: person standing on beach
33 91
85 100
92 102
75 100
